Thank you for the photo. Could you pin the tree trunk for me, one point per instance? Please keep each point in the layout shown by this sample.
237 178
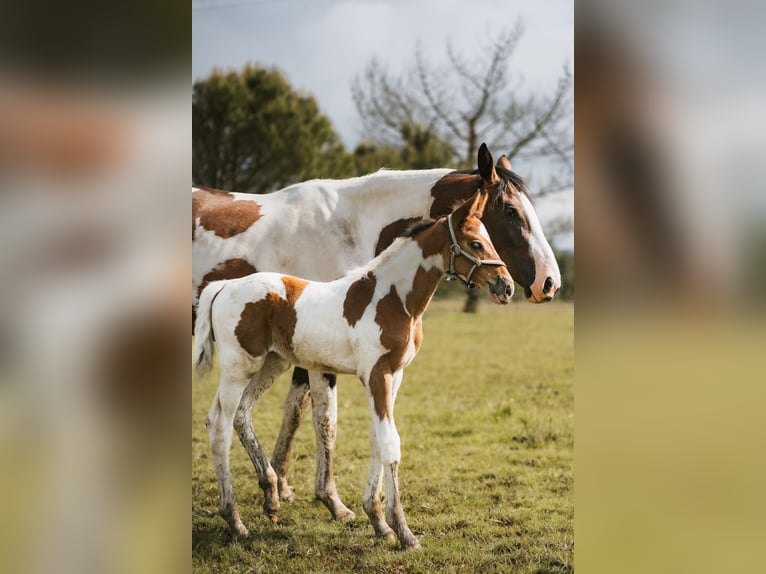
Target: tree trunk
471 301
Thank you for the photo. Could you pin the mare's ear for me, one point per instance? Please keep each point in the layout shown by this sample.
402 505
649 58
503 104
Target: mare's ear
503 162
487 167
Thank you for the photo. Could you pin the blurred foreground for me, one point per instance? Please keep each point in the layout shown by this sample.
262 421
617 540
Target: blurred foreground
94 322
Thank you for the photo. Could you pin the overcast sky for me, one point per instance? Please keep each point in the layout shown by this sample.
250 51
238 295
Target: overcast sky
321 45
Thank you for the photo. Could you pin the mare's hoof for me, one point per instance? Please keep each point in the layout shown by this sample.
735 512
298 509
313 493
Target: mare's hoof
387 536
239 531
410 544
285 492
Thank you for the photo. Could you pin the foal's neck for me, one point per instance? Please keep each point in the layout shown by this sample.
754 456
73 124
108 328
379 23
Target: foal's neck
416 264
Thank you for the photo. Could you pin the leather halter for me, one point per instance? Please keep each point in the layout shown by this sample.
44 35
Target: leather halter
455 250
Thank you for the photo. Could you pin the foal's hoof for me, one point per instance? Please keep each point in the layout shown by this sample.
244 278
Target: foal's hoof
344 515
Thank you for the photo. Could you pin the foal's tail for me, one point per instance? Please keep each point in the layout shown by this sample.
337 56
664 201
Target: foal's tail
203 331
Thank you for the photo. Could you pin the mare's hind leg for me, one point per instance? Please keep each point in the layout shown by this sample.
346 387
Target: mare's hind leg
324 400
243 422
219 428
295 406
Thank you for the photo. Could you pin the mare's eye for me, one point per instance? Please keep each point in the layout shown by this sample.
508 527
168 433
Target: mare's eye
476 245
510 211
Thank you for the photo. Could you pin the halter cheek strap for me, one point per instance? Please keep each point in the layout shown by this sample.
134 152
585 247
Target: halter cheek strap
455 250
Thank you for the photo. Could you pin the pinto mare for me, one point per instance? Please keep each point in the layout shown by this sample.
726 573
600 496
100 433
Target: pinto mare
322 228
368 323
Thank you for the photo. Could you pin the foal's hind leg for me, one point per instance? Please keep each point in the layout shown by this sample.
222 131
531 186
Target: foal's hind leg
219 428
243 422
295 406
324 400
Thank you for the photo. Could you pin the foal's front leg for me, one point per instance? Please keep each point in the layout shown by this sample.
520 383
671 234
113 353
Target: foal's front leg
382 388
371 500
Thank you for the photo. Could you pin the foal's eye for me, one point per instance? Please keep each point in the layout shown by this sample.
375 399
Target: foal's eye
476 245
510 211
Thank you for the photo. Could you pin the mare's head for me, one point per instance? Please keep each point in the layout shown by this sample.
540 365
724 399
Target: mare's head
472 255
515 229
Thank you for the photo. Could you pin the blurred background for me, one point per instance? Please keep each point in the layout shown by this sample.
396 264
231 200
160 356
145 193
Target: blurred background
670 251
94 173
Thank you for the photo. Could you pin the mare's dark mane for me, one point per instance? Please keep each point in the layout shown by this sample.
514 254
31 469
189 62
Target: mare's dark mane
506 175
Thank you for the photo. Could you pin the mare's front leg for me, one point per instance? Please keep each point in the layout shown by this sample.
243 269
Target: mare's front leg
295 406
382 388
243 422
324 401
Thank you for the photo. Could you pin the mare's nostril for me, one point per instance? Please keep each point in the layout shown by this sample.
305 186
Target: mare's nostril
547 286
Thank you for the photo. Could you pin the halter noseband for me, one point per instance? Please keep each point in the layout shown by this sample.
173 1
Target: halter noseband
455 250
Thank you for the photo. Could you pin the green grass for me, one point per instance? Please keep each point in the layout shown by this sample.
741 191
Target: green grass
486 418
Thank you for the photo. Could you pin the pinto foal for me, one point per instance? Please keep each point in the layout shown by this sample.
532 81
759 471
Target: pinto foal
368 323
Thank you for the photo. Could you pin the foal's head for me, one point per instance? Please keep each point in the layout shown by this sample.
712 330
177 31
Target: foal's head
472 256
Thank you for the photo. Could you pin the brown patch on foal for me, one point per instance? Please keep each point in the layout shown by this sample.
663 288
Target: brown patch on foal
392 231
253 330
294 286
219 212
395 330
431 241
423 287
229 269
358 297
270 320
452 190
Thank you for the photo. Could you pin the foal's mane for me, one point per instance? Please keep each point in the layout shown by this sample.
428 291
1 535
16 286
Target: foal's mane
419 226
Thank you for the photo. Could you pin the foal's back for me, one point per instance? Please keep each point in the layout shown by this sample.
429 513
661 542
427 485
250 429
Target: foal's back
302 321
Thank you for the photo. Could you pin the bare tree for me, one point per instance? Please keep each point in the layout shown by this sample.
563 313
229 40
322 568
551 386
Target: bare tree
470 100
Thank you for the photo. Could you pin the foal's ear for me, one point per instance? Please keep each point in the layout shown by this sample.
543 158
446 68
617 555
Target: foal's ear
481 202
487 167
504 163
473 206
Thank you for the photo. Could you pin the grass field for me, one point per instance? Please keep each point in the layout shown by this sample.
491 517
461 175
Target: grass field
486 418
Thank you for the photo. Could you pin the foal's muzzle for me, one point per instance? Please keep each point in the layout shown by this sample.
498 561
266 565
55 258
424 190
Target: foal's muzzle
501 289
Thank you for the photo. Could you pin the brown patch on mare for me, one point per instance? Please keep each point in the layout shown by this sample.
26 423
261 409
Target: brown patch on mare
220 213
392 231
270 320
229 269
423 286
395 331
452 190
358 297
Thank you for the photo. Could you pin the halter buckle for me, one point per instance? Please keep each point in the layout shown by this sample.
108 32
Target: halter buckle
455 249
